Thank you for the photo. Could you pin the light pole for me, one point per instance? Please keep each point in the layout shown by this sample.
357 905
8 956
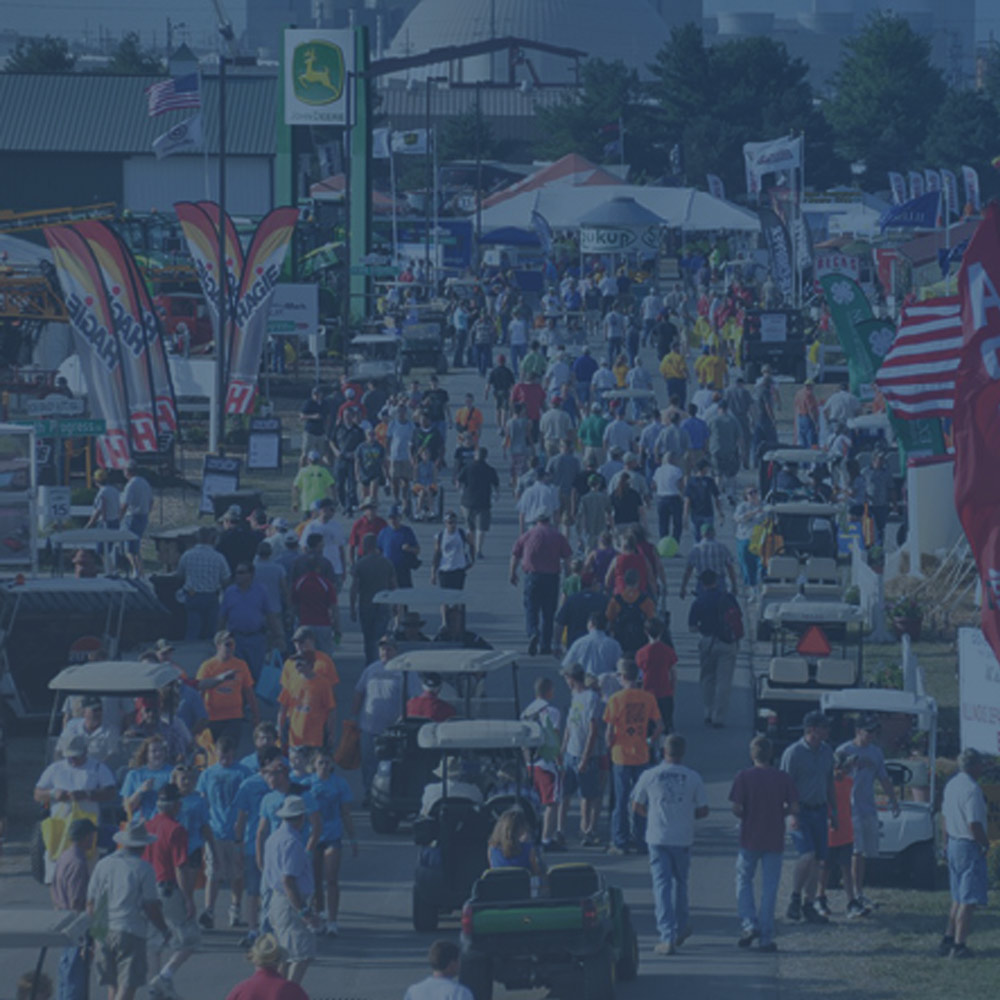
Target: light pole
430 184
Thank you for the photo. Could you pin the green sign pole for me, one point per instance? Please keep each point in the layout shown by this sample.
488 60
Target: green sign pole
361 181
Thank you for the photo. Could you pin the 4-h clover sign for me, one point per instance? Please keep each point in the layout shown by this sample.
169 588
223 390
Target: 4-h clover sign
317 66
880 340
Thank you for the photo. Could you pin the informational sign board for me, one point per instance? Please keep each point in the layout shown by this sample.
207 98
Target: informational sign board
773 328
294 310
219 474
54 505
978 692
611 239
837 263
264 443
317 68
55 406
66 427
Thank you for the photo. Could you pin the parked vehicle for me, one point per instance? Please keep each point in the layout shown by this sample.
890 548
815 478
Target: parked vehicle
422 346
185 314
774 337
375 358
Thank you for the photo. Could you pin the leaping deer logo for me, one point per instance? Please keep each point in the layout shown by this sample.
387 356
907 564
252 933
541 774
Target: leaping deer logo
313 75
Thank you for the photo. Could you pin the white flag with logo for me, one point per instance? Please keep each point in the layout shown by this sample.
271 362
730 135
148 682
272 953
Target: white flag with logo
412 142
185 137
971 179
380 144
771 157
715 186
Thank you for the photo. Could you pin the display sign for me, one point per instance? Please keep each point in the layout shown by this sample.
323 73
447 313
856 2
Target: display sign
978 692
773 328
54 506
294 311
611 239
67 427
55 406
219 474
264 443
317 66
837 263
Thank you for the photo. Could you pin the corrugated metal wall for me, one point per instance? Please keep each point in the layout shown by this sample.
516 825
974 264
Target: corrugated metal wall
150 183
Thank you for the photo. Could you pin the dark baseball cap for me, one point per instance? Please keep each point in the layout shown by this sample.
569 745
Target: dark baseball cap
815 720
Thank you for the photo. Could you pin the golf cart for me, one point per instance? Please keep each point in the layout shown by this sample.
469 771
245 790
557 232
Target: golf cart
788 578
21 930
816 647
774 337
453 835
112 681
576 941
404 765
422 346
643 401
906 842
375 357
772 460
805 529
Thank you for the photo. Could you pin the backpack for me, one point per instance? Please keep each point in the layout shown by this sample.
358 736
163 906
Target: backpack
699 492
551 745
731 620
629 625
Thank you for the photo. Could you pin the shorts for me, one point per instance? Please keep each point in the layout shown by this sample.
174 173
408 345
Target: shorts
291 930
518 463
136 523
587 782
810 837
451 579
224 861
966 872
865 835
548 784
184 931
327 845
195 858
121 960
251 875
478 518
401 470
839 856
313 442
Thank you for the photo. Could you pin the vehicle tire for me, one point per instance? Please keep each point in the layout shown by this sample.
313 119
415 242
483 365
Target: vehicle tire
628 960
442 364
36 854
476 972
383 821
920 865
598 980
425 916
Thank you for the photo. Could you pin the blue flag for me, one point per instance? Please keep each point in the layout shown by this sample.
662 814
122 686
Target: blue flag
917 213
541 226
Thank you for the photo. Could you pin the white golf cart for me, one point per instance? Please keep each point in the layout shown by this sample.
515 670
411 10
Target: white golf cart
906 842
24 930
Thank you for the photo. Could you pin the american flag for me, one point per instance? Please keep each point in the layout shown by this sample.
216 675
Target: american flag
177 92
917 377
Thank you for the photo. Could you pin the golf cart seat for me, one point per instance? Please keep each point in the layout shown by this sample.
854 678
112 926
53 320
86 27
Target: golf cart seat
788 670
833 672
573 881
781 579
822 579
502 885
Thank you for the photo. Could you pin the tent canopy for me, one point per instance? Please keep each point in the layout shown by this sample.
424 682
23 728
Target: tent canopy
511 236
570 170
620 211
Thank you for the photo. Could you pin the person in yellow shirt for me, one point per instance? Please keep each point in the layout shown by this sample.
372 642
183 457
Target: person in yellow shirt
673 368
716 369
305 714
620 370
312 482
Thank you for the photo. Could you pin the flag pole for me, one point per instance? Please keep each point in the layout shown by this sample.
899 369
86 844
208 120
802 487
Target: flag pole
204 145
392 191
436 263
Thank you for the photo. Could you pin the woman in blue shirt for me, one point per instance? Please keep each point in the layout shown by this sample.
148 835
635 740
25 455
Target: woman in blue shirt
149 770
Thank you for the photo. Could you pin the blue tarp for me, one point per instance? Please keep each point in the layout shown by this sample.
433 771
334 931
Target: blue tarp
510 236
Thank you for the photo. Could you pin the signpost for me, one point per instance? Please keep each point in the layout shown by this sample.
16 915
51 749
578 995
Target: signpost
57 428
264 443
317 66
219 474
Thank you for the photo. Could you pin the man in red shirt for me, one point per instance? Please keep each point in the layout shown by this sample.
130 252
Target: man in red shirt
430 704
368 524
168 856
656 661
532 394
314 598
541 552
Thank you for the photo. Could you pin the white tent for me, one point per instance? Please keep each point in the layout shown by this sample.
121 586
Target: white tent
562 206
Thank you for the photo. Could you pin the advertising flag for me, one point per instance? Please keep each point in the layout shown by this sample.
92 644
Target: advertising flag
970 179
779 248
97 346
976 419
177 92
916 184
897 184
949 184
380 144
264 259
541 226
715 186
413 142
932 180
917 213
185 137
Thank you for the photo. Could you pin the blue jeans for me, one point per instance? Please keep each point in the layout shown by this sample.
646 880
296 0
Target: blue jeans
484 358
678 387
201 616
670 867
72 983
699 524
670 513
632 344
627 827
770 876
806 431
541 594
614 349
347 484
251 647
517 351
749 563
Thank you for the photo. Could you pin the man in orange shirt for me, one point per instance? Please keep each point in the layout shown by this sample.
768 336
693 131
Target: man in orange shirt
304 640
226 685
629 714
305 713
469 419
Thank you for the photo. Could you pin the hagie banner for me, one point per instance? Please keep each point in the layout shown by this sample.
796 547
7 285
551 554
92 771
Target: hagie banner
96 344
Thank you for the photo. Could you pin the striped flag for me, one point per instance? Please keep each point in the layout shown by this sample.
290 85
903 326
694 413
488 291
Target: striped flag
917 377
177 92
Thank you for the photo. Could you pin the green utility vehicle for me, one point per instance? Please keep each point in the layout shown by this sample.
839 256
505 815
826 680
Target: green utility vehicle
578 940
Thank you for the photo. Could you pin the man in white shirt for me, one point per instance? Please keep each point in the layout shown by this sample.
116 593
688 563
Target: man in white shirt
668 481
442 983
455 771
399 436
544 769
671 797
841 407
137 502
540 497
619 434
334 537
963 810
597 652
651 306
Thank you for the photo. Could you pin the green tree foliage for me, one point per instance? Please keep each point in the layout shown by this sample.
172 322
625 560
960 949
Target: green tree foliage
41 55
965 130
459 135
991 73
886 92
714 99
132 59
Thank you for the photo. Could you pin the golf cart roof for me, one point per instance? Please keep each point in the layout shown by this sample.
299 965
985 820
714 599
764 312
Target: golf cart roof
869 422
801 456
630 394
803 508
877 700
373 340
452 661
416 330
813 612
480 734
422 597
115 677
42 928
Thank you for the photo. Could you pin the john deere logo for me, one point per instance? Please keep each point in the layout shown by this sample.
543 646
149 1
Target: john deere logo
318 72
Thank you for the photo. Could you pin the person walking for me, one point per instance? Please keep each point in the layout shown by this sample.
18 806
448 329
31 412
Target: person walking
480 486
716 647
724 438
369 575
806 409
740 403
204 572
442 983
453 556
749 513
809 762
668 482
709 554
398 544
228 688
122 890
247 614
540 552
964 812
671 797
701 500
761 797
581 751
137 502
69 893
673 368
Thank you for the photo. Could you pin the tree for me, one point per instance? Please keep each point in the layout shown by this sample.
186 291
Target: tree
991 73
132 59
965 131
459 135
41 55
714 99
886 91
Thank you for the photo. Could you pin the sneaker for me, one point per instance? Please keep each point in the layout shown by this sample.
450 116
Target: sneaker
235 920
867 903
855 910
794 911
615 851
206 921
822 906
533 646
331 929
590 840
769 947
664 948
747 937
160 987
962 951
946 945
683 935
811 916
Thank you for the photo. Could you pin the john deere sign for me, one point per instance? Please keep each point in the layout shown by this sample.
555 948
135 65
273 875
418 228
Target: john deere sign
317 67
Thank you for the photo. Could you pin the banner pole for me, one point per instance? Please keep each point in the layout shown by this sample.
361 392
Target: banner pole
392 191
223 276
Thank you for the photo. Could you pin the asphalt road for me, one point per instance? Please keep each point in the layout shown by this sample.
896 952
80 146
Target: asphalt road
378 954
